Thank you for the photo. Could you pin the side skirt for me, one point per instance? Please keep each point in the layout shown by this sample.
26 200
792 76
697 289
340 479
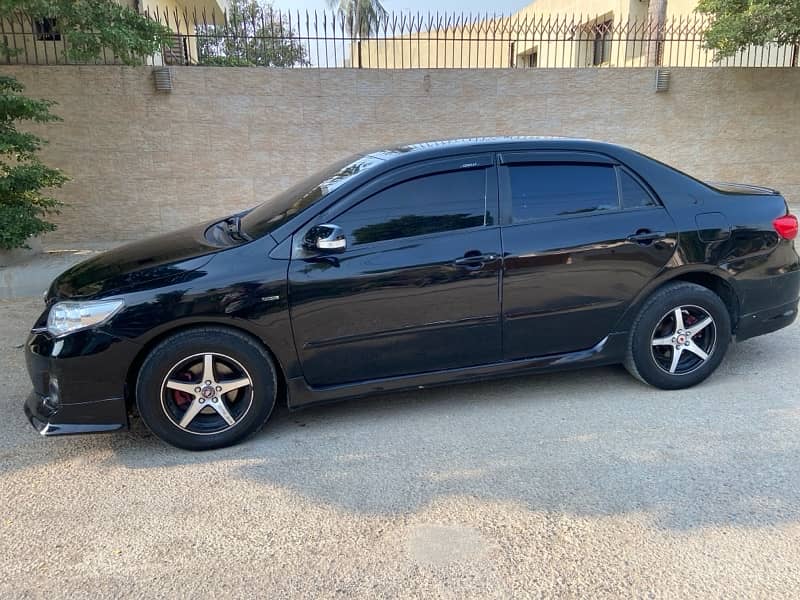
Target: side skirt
609 350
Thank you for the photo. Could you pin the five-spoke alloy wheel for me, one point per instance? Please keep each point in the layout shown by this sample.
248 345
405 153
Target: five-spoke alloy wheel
684 339
206 388
679 337
207 393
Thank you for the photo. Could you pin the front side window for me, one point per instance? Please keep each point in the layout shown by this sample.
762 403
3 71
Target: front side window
543 191
429 204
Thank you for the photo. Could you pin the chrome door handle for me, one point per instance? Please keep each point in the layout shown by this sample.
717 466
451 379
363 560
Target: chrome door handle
646 236
477 260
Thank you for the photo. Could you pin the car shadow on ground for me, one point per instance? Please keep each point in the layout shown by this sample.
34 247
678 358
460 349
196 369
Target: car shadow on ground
590 443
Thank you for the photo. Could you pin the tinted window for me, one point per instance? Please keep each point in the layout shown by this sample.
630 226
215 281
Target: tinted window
549 190
633 194
430 204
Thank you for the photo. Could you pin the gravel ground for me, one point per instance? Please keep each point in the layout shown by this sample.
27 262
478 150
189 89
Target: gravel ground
585 484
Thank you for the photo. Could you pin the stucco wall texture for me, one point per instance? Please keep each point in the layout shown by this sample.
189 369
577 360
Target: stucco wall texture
224 139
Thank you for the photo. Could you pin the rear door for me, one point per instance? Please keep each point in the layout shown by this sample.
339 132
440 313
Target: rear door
417 288
581 235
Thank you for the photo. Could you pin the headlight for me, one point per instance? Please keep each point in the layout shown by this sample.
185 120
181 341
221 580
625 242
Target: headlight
66 317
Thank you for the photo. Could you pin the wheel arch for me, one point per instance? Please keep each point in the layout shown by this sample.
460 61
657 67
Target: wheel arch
136 364
713 279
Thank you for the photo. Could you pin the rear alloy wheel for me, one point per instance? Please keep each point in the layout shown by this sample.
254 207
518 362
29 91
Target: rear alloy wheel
679 337
683 340
206 388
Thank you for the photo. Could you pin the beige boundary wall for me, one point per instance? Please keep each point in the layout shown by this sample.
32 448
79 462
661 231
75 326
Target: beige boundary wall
224 139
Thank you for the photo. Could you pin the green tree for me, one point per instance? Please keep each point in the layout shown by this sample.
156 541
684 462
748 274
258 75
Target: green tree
92 27
23 206
95 26
253 35
737 24
361 17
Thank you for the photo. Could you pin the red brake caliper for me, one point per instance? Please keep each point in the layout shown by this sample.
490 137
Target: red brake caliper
182 398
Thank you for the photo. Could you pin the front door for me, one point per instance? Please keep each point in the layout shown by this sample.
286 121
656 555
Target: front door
417 287
583 236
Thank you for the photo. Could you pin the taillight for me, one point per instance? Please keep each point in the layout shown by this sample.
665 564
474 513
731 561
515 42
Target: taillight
786 226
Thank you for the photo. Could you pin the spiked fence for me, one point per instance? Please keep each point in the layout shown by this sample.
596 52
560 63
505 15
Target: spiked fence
274 38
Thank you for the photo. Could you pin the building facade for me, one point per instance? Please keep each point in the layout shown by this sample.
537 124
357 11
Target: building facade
558 33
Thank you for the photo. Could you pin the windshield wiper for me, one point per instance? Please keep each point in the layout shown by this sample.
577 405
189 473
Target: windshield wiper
233 227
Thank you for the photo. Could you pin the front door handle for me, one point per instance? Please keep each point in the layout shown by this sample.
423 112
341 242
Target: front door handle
645 236
475 260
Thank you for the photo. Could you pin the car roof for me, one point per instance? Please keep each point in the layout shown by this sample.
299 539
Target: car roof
441 148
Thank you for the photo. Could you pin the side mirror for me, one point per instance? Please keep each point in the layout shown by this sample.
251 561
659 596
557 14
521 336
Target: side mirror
326 237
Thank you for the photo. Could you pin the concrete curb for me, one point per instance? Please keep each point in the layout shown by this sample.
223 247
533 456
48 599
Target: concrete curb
34 275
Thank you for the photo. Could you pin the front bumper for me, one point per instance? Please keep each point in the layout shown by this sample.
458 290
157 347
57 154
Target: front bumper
87 417
78 382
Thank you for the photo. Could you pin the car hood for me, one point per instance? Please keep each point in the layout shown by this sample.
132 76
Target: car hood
171 256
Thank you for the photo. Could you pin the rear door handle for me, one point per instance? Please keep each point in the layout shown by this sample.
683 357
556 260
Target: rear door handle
475 260
645 236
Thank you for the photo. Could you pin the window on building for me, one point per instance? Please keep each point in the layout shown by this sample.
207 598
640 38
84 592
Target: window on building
528 60
430 204
46 30
602 42
545 190
177 53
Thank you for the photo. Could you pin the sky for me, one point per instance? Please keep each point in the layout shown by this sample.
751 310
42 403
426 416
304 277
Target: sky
445 6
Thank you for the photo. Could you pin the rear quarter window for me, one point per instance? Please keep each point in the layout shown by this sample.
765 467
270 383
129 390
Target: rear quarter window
632 193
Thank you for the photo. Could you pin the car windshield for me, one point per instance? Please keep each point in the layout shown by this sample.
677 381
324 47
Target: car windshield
280 208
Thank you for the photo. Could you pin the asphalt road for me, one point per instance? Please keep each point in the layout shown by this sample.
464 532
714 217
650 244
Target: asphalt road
583 484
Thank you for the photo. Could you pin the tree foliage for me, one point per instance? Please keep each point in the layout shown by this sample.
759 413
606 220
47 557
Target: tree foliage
253 35
361 17
23 206
93 27
740 23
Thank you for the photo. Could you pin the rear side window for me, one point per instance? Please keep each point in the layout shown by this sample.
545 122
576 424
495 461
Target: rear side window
429 204
632 193
546 190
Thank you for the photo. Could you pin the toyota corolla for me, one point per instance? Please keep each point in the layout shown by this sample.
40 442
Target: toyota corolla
409 267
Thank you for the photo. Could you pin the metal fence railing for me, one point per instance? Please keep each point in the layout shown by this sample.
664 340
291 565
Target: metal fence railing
273 38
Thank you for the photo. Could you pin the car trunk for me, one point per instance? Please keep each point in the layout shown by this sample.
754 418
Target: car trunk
742 189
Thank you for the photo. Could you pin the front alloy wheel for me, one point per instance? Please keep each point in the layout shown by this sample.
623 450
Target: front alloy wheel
206 388
207 393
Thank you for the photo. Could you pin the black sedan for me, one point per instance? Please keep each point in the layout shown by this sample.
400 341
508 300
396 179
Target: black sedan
420 265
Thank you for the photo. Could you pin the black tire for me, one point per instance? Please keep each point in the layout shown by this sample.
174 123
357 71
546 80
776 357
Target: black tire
656 322
235 358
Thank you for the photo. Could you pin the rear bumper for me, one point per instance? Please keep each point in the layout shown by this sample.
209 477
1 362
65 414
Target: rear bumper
766 321
768 304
